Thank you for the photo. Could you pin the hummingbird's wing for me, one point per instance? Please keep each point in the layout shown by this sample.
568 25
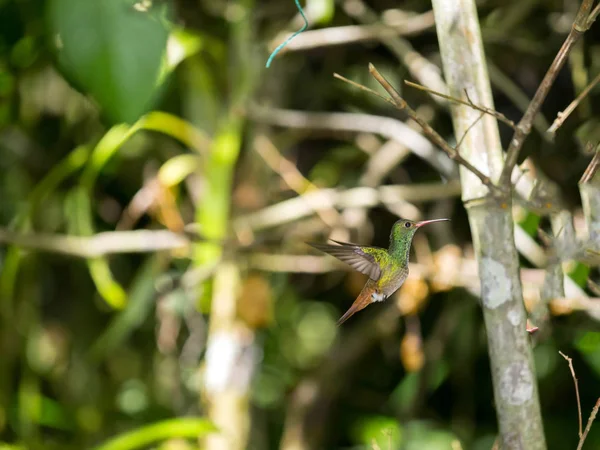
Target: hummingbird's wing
354 255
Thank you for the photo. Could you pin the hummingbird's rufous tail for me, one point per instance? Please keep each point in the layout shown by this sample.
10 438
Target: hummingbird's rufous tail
362 301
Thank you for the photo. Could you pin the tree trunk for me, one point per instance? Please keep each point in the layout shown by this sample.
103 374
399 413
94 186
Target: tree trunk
465 70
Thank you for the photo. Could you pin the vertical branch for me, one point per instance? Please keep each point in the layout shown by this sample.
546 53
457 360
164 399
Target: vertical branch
589 188
570 361
515 389
537 189
562 243
227 407
230 362
230 344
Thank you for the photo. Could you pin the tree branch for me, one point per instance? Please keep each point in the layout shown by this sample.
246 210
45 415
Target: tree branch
100 244
580 25
589 424
516 395
563 115
402 105
296 208
498 115
570 361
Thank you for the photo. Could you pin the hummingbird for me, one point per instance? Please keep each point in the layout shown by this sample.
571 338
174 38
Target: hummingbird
387 269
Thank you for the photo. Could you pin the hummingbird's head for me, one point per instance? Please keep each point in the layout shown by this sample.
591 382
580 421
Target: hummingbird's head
405 229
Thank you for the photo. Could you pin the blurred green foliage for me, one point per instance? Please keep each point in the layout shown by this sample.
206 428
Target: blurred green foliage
112 50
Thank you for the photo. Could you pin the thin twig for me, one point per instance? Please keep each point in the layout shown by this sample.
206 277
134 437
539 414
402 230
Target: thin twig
498 115
524 126
517 96
592 17
401 104
475 122
589 424
364 88
563 115
570 361
592 168
593 286
419 67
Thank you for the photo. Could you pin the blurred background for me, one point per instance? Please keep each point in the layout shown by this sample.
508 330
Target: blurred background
157 185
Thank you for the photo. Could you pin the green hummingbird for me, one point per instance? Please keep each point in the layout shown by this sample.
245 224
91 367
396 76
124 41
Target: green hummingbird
387 269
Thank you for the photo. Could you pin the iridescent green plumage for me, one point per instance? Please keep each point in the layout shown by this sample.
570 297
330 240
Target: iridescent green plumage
387 269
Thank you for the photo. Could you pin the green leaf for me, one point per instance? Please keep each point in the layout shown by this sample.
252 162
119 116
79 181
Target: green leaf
320 11
112 50
379 431
579 273
79 216
173 428
141 301
423 435
177 169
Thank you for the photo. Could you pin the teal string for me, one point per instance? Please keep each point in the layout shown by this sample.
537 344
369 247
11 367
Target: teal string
287 41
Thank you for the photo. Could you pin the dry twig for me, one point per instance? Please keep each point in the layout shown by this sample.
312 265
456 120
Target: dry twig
498 115
570 361
419 67
593 286
563 115
592 168
589 424
365 88
401 104
582 23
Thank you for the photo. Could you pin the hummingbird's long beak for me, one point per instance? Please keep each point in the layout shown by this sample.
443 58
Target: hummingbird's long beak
425 222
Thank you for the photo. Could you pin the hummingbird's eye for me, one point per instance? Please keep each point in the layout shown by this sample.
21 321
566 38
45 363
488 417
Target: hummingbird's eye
407 224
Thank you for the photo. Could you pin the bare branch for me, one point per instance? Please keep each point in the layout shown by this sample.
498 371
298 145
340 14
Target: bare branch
592 168
401 104
524 126
589 424
148 241
589 189
570 361
563 115
475 122
419 67
364 88
110 242
593 286
296 208
517 96
498 115
593 15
